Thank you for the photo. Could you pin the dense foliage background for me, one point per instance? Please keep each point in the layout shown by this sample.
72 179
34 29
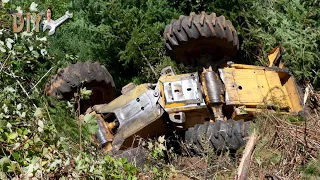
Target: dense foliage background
126 36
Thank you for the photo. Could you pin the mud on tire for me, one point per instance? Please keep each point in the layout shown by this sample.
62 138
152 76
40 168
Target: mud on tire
187 38
220 135
87 74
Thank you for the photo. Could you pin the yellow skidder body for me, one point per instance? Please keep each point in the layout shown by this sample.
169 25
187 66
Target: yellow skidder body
215 104
236 91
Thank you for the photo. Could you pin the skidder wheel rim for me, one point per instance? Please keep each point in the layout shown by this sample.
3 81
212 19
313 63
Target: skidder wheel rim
100 95
97 93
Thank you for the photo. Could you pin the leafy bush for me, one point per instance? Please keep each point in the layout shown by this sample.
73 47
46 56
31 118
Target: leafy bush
34 128
290 24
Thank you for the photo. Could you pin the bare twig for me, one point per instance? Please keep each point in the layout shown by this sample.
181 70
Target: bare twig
45 105
25 92
4 62
78 115
11 75
146 59
192 165
42 77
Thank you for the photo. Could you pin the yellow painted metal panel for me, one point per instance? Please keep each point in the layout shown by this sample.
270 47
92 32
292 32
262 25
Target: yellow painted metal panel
254 87
273 55
122 100
231 95
247 86
293 95
262 83
276 95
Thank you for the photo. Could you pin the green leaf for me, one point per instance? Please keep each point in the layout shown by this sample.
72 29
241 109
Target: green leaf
12 135
19 106
89 118
19 131
26 146
38 113
44 151
40 124
85 94
90 123
35 54
154 170
3 122
25 132
16 156
2 49
4 162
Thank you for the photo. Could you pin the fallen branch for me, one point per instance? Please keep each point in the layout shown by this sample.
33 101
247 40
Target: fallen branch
25 92
146 59
42 77
246 157
4 62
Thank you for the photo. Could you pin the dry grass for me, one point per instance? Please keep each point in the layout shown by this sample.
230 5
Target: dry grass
289 147
208 166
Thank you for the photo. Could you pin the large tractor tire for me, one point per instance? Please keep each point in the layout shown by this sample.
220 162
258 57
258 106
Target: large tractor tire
220 135
136 156
90 75
190 37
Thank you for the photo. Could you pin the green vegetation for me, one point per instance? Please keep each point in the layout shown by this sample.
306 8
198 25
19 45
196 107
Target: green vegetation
40 137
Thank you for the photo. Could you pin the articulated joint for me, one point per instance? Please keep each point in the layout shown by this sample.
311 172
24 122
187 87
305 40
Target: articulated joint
213 90
105 135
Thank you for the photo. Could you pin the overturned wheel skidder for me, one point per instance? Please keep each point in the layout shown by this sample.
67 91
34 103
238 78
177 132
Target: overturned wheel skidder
217 103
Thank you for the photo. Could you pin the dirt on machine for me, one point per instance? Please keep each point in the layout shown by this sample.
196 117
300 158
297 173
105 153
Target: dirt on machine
213 105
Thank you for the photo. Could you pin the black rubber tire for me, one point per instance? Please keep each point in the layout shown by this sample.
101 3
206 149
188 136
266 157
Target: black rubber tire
220 135
136 156
87 74
187 38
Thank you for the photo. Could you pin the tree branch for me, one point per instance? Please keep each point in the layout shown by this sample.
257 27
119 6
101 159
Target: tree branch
246 157
145 58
